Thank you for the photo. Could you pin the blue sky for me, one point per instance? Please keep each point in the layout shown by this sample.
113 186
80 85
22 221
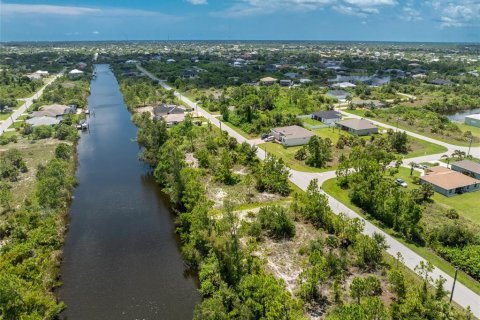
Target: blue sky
357 20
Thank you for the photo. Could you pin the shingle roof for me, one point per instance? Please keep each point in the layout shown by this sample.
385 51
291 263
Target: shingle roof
357 124
448 179
39 121
294 132
468 165
328 114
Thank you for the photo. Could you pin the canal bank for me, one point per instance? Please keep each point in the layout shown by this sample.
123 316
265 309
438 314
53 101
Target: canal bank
121 256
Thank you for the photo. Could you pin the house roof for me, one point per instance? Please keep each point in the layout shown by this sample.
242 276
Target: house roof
328 114
468 165
343 85
76 71
165 109
268 79
294 132
53 110
448 179
474 116
338 93
357 124
174 117
40 121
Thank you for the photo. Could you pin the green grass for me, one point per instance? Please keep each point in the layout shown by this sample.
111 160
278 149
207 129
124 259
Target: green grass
331 187
360 112
332 133
467 204
240 131
312 122
288 155
464 127
423 148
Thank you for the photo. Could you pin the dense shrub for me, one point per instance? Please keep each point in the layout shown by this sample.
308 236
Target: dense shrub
277 221
42 132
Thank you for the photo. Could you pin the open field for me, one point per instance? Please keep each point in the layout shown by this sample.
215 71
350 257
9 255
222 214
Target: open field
467 204
331 187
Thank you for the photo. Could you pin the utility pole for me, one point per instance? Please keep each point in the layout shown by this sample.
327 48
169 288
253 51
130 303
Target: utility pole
470 145
453 287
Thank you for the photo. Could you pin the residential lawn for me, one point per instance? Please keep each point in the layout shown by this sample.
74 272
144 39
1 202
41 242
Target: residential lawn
331 187
240 131
361 112
312 122
467 204
464 127
288 155
422 148
333 133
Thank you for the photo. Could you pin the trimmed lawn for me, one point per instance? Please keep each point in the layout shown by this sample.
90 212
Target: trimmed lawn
312 122
422 148
332 133
331 187
464 127
467 204
288 155
414 129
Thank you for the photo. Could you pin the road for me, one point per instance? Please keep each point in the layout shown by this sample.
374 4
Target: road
462 295
474 151
28 102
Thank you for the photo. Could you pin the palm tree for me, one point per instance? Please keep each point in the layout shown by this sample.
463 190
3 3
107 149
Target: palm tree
458 154
412 165
447 158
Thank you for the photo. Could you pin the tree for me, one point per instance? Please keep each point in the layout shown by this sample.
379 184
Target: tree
277 221
5 195
273 176
63 151
319 152
224 170
412 165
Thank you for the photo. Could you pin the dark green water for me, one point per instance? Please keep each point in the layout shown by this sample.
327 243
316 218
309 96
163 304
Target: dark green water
121 256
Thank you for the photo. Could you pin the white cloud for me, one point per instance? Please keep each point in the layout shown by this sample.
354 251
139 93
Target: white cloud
96 32
241 8
197 2
411 14
43 9
457 13
10 8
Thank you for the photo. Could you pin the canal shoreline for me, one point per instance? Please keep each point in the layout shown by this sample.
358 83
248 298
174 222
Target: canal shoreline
121 255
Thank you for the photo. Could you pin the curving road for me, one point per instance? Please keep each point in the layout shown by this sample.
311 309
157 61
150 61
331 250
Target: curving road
463 295
28 102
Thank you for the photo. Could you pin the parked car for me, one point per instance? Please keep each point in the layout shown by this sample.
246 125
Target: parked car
265 136
401 183
421 166
269 138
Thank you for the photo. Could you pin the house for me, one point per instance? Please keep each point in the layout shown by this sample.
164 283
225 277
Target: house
75 73
449 182
369 103
292 135
292 75
358 127
343 85
268 81
170 61
54 111
43 121
286 83
467 167
166 109
305 81
81 65
173 118
441 82
328 117
473 120
189 73
340 95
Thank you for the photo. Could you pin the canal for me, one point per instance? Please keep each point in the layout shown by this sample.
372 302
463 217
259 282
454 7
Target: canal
121 255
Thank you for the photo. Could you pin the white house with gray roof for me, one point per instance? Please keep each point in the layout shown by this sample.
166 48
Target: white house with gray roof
292 135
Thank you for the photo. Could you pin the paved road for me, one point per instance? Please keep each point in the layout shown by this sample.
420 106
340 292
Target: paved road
474 151
28 102
463 296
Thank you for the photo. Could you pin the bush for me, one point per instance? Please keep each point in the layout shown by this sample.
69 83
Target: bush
42 132
66 132
7 139
277 221
63 151
467 259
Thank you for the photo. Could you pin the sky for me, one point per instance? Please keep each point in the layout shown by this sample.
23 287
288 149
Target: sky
353 20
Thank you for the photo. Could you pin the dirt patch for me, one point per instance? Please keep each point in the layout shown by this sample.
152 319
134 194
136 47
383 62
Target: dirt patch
191 160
